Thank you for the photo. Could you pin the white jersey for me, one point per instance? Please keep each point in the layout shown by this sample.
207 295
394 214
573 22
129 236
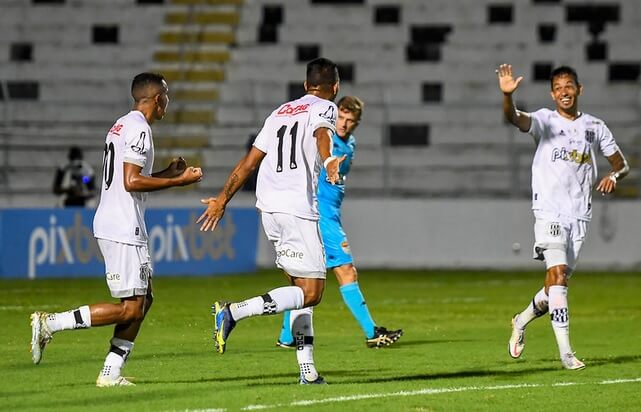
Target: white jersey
564 168
288 175
121 215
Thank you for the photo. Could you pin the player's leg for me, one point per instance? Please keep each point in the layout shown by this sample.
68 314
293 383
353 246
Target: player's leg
303 330
557 285
136 286
375 336
299 253
44 325
286 339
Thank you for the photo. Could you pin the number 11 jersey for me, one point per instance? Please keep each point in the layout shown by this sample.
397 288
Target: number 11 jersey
288 175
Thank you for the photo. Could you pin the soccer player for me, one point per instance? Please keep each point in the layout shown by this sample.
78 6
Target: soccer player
292 146
564 171
119 228
338 255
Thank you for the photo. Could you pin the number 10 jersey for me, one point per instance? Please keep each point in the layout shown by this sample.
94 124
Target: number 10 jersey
288 175
120 216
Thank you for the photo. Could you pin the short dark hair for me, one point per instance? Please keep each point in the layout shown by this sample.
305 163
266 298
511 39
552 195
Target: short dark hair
321 72
564 71
75 153
142 80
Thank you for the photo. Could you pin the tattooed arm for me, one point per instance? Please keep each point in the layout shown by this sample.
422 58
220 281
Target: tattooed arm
216 205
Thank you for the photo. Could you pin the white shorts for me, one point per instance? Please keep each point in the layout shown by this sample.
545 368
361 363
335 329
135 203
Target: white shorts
127 267
558 241
298 244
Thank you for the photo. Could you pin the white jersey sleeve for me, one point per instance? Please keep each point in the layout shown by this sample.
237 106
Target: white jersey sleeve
607 145
538 123
137 144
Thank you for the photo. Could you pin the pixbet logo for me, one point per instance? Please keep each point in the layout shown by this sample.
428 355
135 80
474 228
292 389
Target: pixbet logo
59 244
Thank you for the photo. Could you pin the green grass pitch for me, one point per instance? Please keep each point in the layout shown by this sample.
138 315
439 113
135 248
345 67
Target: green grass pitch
453 355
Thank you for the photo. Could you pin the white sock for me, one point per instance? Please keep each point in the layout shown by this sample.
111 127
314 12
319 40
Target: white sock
537 308
275 301
116 357
72 319
560 317
303 332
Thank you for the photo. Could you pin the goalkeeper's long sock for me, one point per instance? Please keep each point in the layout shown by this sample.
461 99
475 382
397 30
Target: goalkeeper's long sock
286 329
275 301
355 301
72 319
560 317
537 308
303 330
119 351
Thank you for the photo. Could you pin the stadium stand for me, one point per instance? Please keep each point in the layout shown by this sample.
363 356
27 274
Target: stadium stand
432 124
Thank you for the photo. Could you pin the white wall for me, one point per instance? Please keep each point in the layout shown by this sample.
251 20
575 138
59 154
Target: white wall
468 233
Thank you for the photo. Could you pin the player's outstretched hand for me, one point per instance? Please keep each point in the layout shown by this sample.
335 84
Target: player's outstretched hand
212 215
191 175
607 185
333 167
507 83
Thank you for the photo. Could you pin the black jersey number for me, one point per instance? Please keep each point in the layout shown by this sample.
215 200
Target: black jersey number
292 153
108 164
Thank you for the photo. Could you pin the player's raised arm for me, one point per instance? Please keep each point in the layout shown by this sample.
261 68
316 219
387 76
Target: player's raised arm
216 205
508 85
620 169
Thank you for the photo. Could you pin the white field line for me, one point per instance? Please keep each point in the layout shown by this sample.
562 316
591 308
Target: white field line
431 391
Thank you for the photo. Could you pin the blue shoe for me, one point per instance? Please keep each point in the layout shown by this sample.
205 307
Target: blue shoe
224 324
319 381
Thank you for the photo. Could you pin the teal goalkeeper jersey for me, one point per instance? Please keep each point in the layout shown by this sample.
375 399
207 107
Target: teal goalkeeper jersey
332 195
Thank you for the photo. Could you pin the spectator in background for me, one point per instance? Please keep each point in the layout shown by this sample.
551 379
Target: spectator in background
75 182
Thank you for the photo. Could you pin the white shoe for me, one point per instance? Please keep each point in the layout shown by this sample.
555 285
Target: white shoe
570 362
108 381
517 340
40 335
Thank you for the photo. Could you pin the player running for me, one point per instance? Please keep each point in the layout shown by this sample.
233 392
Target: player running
338 255
563 174
119 228
291 148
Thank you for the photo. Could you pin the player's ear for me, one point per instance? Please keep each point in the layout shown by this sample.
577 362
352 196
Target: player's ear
579 89
305 85
552 95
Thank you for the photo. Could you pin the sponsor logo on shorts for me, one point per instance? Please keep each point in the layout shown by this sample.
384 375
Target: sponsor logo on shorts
555 229
290 253
145 272
113 277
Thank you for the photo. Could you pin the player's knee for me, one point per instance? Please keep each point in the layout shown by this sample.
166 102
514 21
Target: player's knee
557 275
312 298
131 312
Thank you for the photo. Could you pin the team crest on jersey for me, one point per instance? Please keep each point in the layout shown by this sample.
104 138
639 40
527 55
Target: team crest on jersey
329 115
590 135
345 247
555 229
